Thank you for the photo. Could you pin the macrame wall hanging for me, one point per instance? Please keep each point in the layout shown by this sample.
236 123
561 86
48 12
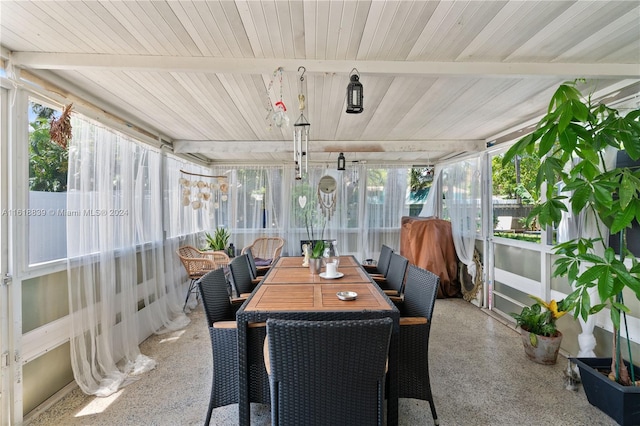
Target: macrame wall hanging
200 191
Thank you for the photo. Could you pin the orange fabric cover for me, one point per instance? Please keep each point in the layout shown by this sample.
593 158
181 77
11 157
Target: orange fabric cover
427 243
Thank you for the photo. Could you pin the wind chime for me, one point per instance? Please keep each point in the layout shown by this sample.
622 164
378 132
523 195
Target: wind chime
301 130
198 193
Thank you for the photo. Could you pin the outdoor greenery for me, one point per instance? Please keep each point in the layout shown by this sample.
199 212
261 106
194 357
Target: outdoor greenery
576 131
534 238
509 184
48 162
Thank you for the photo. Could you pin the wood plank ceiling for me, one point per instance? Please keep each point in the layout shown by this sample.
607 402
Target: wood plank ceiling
440 78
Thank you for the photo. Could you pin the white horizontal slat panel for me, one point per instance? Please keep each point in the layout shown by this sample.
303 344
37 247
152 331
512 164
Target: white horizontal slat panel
403 94
511 27
230 22
569 28
287 30
37 27
254 26
140 40
193 28
598 45
296 16
369 30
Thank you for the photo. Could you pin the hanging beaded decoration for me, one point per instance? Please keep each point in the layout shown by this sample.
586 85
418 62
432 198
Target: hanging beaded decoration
276 115
198 194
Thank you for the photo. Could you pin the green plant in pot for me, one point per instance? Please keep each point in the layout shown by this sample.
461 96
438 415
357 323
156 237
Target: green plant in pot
573 140
315 249
540 335
219 240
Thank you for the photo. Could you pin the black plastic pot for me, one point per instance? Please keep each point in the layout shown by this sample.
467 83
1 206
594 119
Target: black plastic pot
621 403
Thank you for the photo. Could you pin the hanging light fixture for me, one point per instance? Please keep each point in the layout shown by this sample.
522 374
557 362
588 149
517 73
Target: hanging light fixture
301 130
341 161
354 93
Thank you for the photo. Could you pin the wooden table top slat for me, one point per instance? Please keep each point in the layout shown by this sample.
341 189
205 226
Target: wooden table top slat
296 262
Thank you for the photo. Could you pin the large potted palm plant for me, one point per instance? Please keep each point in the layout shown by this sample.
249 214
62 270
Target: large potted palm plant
572 140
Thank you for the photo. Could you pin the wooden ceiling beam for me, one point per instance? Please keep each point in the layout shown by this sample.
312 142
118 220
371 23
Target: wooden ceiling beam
204 147
78 61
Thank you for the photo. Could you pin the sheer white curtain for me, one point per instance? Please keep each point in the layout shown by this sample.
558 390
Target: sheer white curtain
114 229
255 203
461 186
385 202
183 225
431 207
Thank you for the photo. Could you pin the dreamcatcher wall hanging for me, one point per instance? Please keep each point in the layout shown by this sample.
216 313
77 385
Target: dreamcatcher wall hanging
327 192
200 191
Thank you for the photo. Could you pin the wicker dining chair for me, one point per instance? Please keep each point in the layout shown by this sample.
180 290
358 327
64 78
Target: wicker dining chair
327 372
241 275
196 263
265 250
393 285
379 270
421 291
221 322
256 276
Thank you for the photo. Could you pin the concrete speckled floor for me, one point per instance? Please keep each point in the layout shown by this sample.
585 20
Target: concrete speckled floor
479 374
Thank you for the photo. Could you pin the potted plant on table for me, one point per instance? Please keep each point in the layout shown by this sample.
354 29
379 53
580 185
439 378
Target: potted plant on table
219 240
540 337
314 248
573 140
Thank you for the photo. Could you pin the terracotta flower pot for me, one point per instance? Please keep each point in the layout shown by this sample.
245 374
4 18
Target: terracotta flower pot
541 349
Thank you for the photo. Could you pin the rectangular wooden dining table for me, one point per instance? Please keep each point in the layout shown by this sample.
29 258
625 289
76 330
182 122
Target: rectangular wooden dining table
290 291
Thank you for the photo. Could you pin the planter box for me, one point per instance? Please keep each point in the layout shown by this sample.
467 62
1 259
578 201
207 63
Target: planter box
621 403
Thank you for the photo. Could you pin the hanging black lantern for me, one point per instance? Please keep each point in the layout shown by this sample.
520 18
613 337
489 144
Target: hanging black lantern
341 161
354 94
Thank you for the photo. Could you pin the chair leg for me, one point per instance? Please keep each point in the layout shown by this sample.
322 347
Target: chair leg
433 412
210 409
192 285
432 405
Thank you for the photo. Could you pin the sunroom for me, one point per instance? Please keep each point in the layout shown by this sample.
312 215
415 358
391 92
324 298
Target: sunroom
191 116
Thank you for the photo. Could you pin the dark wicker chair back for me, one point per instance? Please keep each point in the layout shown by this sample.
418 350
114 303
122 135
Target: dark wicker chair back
224 347
384 259
241 274
396 274
252 264
420 295
328 372
215 297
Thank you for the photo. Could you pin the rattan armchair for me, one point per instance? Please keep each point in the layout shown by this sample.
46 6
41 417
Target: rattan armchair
265 250
224 346
420 295
196 263
220 257
327 372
